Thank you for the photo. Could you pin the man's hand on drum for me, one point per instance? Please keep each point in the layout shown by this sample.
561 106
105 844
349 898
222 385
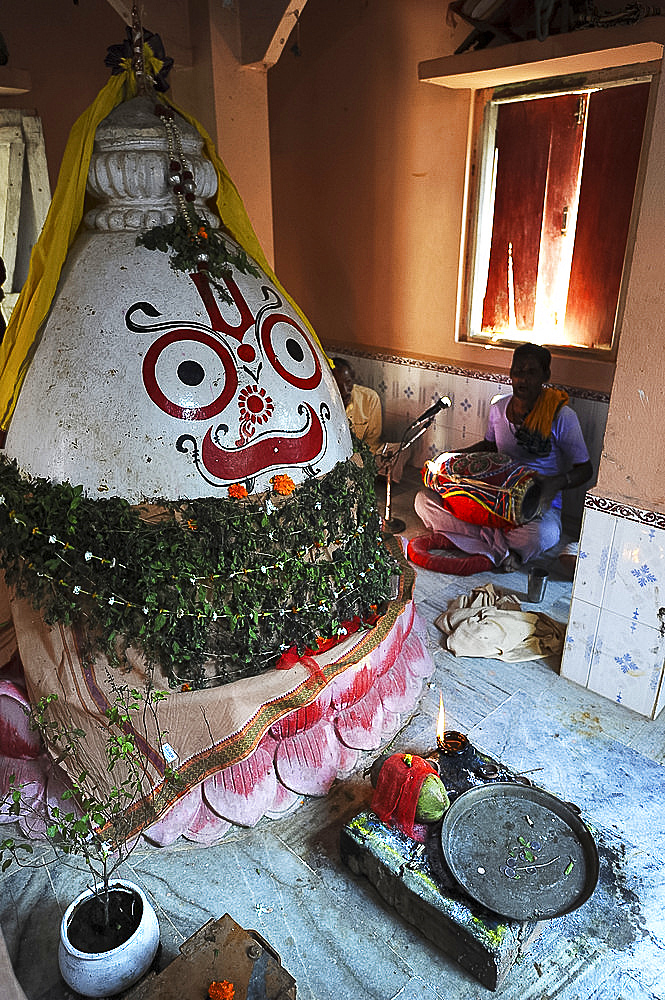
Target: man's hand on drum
551 485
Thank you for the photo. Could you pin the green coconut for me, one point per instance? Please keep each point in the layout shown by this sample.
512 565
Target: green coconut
432 801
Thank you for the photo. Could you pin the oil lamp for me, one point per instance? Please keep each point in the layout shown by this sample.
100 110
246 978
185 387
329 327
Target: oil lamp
460 764
448 741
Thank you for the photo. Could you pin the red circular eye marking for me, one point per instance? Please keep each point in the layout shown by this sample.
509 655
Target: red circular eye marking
311 381
246 353
166 404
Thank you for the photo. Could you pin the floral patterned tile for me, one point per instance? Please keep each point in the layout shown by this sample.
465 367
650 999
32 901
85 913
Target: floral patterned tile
578 650
594 555
636 572
627 665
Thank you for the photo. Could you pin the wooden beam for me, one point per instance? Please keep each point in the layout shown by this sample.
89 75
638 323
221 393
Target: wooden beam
289 18
122 9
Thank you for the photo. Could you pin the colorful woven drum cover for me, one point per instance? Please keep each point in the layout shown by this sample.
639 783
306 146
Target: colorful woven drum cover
484 488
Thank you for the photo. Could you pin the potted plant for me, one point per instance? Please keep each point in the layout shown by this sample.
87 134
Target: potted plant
109 935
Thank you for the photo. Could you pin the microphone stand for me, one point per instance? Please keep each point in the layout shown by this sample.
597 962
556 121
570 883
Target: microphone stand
416 428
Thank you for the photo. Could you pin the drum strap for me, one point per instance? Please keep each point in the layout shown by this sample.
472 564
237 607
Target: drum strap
454 561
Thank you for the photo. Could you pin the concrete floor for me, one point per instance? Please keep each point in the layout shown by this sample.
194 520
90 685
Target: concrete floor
333 932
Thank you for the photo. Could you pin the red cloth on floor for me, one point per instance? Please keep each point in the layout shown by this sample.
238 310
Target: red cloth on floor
397 791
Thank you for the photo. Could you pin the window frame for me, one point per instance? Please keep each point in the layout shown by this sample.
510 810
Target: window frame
483 115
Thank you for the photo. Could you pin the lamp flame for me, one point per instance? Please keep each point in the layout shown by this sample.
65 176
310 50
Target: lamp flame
441 723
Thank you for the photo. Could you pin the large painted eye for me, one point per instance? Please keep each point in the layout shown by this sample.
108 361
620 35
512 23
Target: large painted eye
290 352
189 375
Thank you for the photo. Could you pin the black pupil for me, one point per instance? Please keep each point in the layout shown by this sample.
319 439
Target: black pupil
191 373
294 349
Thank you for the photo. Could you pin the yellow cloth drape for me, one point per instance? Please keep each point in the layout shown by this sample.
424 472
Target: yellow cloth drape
547 406
64 218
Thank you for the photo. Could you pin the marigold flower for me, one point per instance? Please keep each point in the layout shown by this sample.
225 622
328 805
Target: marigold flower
238 491
221 991
186 687
192 525
202 233
283 485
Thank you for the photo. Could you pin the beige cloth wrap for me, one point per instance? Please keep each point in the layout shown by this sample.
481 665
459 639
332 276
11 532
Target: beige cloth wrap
208 730
486 623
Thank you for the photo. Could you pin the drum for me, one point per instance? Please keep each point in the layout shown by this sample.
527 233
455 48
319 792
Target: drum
484 487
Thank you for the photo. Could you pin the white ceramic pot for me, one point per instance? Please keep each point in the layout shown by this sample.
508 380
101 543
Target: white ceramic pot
105 973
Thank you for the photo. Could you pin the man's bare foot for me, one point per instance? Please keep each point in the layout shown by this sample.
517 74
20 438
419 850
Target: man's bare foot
511 564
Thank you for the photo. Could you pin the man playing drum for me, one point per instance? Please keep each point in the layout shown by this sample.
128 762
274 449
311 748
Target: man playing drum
540 432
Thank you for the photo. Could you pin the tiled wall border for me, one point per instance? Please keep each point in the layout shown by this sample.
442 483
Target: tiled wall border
651 517
471 373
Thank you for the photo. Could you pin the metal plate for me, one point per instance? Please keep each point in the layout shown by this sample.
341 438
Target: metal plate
519 851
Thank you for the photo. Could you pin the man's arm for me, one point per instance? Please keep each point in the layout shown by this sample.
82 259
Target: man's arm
551 485
483 445
372 437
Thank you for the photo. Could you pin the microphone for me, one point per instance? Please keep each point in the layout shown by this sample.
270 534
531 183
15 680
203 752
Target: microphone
429 414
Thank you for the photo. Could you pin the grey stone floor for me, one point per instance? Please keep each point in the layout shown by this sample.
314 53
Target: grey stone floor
332 931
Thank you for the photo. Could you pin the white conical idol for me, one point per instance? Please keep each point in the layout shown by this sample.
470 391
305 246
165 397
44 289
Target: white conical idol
149 382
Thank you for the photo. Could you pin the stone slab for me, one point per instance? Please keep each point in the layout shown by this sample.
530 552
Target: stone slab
411 879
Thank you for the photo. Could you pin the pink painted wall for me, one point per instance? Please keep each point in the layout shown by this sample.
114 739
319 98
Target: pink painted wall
632 467
371 247
63 46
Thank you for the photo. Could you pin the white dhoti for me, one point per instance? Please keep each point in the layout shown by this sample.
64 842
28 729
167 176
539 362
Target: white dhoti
528 541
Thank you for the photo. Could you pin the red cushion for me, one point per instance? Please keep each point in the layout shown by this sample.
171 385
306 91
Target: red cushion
457 562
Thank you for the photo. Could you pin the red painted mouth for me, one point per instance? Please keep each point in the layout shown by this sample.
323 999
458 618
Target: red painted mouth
299 448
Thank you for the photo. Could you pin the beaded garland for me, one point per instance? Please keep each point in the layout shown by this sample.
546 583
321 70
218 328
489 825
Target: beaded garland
193 245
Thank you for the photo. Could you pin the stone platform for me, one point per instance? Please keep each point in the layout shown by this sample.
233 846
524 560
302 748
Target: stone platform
412 878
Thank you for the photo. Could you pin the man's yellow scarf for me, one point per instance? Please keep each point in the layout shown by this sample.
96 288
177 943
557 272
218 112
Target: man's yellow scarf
535 434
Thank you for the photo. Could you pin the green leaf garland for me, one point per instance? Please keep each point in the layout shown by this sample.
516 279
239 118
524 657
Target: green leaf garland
214 589
195 246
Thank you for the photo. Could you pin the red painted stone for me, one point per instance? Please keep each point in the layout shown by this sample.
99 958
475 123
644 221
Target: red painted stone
242 793
176 820
206 827
284 802
307 763
300 720
30 772
17 740
359 726
352 686
399 689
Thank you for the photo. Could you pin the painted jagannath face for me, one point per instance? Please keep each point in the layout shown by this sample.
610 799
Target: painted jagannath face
227 379
192 391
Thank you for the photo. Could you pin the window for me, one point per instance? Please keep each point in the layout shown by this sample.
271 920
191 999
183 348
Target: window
554 194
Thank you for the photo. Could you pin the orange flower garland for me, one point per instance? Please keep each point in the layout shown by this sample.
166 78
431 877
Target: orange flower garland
221 991
283 485
238 491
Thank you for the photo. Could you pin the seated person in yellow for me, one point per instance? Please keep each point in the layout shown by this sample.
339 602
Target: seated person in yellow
363 410
362 404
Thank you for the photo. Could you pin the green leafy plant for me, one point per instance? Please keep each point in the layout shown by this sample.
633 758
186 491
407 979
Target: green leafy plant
213 589
194 246
93 830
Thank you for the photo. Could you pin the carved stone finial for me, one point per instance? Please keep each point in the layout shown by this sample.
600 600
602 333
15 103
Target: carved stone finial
129 170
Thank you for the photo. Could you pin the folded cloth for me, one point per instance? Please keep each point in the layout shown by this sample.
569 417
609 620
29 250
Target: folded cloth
535 434
487 623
